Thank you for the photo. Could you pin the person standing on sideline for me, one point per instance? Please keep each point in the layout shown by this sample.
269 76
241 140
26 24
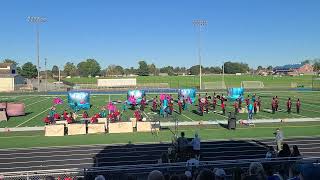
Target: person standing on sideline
236 106
273 105
298 105
259 103
289 104
196 145
277 103
223 107
279 138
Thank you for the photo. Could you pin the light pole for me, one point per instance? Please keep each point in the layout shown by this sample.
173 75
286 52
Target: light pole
37 20
199 24
45 70
222 71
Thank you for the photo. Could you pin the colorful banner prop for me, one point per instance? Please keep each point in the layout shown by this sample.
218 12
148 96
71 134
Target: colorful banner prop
111 107
79 100
165 96
235 93
134 97
188 94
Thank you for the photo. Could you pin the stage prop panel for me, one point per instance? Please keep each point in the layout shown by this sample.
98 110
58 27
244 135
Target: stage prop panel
54 130
120 127
15 109
96 128
143 126
75 129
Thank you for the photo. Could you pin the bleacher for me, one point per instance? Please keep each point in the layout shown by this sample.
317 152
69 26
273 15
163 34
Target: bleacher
138 159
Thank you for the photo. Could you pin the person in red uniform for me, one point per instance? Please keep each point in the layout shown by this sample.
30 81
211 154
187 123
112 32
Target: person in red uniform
214 103
298 105
201 108
85 115
236 106
154 105
259 103
255 106
277 103
56 116
69 119
247 100
206 104
289 105
137 115
171 106
223 107
47 120
65 114
273 105
222 98
180 106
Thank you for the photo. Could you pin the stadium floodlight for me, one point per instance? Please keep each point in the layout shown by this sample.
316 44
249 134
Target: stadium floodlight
37 20
199 24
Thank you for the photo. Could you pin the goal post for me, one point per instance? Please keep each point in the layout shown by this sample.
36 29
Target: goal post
252 84
214 85
316 83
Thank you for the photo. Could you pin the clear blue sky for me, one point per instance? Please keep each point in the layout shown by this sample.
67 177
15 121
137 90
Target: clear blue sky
257 32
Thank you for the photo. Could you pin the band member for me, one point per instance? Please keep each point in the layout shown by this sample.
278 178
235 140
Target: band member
69 118
277 103
171 106
236 106
154 104
259 103
223 107
180 106
247 100
253 98
65 114
85 115
289 104
273 105
298 105
56 116
240 103
47 119
255 106
206 104
214 103
222 98
142 104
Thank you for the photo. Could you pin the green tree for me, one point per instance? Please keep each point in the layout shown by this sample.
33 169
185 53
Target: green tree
269 68
316 66
306 62
90 67
259 68
195 70
55 70
143 69
168 69
10 61
235 67
29 70
153 69
70 69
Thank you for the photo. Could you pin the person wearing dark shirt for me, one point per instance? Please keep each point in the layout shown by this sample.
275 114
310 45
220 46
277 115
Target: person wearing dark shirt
236 107
273 105
285 152
182 142
223 107
277 103
295 151
255 106
289 104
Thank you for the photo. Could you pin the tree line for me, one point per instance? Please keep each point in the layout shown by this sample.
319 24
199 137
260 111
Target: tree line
92 68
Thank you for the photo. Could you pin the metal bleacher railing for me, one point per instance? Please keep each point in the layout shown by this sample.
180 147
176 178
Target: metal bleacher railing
112 172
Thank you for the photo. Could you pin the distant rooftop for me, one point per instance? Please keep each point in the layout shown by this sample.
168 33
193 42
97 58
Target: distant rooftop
288 67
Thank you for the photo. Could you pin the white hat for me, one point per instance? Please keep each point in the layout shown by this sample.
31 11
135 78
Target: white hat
219 172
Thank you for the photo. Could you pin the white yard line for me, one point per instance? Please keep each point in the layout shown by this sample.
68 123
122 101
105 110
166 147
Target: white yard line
37 102
32 117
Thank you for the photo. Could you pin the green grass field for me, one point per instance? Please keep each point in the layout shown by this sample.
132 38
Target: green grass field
37 138
37 107
193 81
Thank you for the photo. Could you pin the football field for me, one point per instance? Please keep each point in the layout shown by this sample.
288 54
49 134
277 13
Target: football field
37 107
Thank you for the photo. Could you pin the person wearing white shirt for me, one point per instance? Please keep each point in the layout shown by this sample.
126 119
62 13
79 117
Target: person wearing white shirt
196 145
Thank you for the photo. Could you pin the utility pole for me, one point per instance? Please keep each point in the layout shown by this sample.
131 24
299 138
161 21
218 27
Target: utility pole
45 70
37 20
199 24
222 71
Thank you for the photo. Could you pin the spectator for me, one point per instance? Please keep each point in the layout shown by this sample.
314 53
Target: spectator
285 152
205 174
294 173
196 145
192 164
271 153
182 142
309 172
164 158
155 175
279 138
219 174
256 170
188 175
295 151
270 173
